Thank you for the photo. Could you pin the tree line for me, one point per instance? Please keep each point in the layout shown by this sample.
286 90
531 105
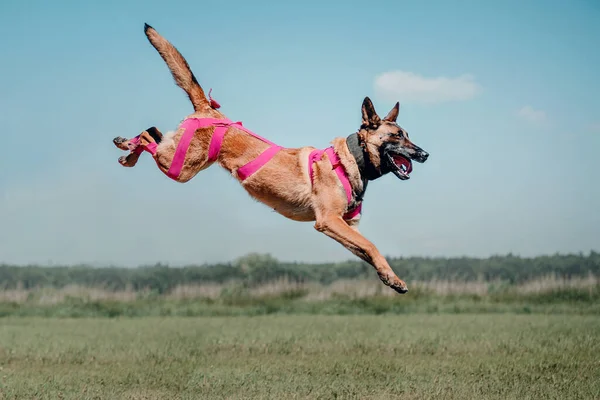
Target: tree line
255 269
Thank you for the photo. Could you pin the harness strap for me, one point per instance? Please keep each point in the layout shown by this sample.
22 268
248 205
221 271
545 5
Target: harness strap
341 173
215 142
150 147
191 125
250 168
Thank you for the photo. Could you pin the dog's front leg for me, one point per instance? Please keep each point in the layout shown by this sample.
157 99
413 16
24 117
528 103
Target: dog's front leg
336 228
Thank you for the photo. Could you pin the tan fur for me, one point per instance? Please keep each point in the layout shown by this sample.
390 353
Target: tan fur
283 183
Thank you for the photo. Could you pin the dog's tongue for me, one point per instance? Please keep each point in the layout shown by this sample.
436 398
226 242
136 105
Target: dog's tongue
402 161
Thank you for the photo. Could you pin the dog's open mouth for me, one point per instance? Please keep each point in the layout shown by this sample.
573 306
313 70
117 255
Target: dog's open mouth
403 166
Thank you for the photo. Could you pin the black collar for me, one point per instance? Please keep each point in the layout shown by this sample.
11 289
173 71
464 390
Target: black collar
368 171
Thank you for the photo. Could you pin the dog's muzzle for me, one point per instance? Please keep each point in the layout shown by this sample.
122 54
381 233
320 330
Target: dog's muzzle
421 156
400 163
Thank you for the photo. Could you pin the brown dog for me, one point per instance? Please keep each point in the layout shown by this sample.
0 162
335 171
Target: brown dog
285 182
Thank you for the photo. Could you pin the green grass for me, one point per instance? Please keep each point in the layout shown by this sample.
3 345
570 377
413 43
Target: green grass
415 356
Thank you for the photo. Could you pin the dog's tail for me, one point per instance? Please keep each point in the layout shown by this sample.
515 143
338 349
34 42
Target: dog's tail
183 75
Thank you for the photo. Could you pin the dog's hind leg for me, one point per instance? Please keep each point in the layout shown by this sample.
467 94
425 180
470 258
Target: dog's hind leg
349 237
123 144
129 160
155 134
150 135
146 137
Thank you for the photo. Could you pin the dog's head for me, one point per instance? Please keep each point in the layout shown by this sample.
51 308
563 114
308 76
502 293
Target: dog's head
386 144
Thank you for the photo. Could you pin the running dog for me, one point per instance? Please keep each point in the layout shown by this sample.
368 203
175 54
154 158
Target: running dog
304 184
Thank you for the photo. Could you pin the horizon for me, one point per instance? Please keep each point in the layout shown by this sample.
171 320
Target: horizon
589 253
502 96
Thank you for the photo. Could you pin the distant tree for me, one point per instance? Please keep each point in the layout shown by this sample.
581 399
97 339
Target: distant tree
255 269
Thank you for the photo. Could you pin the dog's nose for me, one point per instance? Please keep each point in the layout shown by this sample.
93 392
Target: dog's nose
424 155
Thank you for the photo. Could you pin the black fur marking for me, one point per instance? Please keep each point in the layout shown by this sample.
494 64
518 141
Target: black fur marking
155 133
370 126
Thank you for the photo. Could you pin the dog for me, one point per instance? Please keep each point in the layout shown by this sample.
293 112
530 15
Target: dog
304 184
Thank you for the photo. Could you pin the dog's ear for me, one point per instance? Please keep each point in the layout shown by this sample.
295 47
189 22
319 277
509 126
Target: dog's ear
393 114
369 115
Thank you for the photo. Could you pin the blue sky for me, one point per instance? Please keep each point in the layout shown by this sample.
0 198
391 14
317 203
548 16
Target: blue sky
504 96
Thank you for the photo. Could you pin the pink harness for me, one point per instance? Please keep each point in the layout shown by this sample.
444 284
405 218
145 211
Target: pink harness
341 173
135 142
190 126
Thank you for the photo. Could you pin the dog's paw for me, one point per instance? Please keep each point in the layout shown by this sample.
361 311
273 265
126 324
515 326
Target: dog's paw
126 162
399 285
121 143
401 288
394 282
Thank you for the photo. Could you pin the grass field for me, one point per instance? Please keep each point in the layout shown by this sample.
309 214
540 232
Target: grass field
415 356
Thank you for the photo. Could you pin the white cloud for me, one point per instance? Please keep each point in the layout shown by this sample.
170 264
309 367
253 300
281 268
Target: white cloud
406 87
532 115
